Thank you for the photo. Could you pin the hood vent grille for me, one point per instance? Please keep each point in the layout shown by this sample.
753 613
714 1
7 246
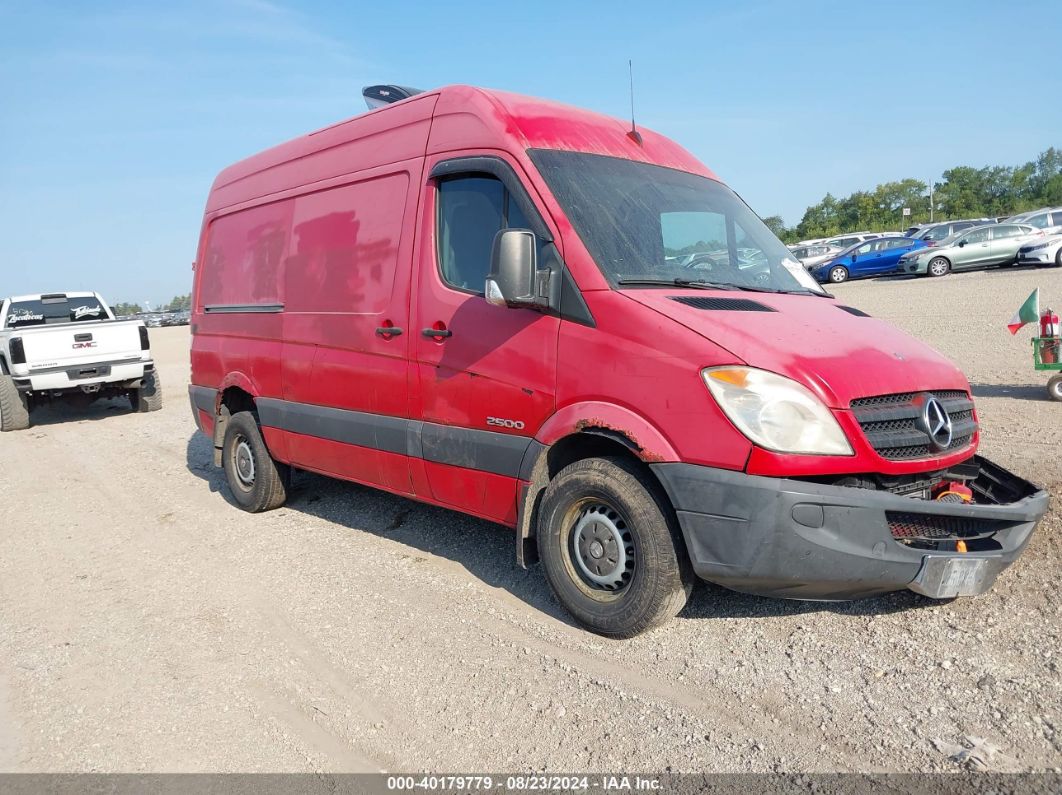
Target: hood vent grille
852 311
722 304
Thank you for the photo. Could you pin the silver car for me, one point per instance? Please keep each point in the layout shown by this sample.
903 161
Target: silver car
980 247
811 256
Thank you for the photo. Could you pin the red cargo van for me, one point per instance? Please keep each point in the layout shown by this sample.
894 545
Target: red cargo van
529 313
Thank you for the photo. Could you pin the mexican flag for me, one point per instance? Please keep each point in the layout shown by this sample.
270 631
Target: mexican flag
1029 312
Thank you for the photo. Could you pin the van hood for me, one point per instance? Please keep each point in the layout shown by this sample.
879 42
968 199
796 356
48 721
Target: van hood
819 342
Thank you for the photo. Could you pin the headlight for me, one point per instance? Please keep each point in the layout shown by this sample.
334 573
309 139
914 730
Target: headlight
776 412
1037 248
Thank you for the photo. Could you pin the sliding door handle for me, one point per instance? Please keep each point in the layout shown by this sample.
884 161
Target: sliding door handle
388 331
437 333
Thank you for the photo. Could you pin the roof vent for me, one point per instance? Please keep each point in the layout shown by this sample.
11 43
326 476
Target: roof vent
722 304
378 96
852 310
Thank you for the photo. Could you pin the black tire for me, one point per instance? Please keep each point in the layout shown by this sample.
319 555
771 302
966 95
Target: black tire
938 266
1058 257
1054 387
149 396
14 408
257 482
610 502
838 274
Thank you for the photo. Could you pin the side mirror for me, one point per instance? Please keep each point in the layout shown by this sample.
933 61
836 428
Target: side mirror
962 243
513 276
854 257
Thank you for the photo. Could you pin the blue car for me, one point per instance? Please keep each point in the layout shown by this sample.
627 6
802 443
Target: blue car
871 258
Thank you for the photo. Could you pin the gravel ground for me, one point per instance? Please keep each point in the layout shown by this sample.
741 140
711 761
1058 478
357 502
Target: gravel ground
146 624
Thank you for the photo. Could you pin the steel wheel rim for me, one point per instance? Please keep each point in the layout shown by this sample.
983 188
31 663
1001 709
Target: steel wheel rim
837 275
601 547
243 463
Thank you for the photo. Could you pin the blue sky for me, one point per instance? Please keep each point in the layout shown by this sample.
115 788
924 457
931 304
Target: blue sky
115 117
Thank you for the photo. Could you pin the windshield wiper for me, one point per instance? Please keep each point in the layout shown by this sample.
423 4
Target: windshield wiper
700 284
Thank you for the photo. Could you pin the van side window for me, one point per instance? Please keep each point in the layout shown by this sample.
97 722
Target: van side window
472 210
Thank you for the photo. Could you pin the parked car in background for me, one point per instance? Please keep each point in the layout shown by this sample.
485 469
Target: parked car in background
980 247
1040 253
1043 219
933 234
70 347
811 256
872 258
844 241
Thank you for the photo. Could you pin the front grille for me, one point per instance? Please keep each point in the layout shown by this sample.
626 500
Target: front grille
892 426
931 527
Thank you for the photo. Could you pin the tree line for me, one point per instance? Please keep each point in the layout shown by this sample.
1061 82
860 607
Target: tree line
180 303
962 192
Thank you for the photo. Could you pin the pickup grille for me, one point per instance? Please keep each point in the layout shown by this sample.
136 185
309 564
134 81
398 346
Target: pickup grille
891 424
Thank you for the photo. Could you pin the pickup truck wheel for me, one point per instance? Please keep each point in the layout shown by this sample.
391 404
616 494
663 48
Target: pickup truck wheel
14 408
610 551
257 481
149 396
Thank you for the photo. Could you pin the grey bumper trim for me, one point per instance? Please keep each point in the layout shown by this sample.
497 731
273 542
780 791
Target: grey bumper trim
790 538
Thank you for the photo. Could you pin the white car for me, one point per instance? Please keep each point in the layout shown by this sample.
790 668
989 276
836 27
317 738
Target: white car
1043 252
69 346
811 256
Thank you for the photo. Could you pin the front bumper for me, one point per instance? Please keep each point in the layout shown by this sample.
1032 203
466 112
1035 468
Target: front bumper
802 540
1035 258
913 266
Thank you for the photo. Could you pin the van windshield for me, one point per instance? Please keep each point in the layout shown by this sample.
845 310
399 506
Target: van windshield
646 223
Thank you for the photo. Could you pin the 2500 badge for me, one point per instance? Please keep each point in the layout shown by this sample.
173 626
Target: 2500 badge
500 422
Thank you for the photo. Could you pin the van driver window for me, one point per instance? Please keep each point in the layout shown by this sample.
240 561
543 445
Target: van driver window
471 212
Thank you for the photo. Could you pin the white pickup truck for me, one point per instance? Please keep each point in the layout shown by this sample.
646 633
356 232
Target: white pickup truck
69 346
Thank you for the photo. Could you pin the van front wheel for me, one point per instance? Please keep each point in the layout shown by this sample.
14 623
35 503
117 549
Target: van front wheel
257 482
610 549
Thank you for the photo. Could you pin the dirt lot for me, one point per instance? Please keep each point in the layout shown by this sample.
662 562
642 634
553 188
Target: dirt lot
147 624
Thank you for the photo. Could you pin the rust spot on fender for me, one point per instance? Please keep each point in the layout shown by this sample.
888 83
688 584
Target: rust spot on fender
598 424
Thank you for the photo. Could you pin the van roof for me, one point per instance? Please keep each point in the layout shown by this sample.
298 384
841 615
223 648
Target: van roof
458 117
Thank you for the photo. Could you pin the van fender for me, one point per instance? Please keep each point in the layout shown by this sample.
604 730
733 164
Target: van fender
609 419
241 380
221 412
616 422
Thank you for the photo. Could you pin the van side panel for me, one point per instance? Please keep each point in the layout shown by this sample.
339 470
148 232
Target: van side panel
346 277
239 301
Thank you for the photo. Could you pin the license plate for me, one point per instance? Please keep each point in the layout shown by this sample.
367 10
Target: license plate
962 577
949 577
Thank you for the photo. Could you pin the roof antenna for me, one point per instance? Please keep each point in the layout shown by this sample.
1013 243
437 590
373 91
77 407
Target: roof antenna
634 135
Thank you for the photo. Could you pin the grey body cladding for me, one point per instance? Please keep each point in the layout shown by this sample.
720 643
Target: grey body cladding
203 398
486 451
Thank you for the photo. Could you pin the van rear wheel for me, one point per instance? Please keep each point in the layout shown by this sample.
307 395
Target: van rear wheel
14 407
610 549
257 482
